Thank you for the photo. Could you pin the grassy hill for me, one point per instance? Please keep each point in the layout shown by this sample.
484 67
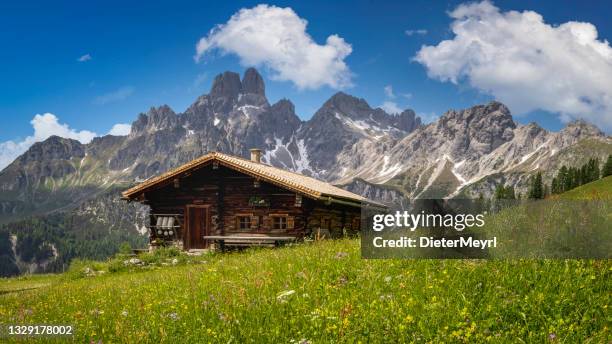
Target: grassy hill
598 190
321 292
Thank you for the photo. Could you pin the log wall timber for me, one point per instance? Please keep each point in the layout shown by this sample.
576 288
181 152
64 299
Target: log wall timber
240 204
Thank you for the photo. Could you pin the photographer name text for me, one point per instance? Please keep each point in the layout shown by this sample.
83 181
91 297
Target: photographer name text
431 242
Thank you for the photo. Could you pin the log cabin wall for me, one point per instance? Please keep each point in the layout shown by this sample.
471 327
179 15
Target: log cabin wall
335 220
235 195
260 202
198 187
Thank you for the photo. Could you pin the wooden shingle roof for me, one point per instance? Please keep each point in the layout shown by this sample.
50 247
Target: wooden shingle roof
308 186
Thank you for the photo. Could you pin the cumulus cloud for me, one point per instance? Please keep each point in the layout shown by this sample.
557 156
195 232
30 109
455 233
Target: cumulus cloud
84 58
114 96
120 129
428 117
415 32
526 63
44 126
276 38
391 107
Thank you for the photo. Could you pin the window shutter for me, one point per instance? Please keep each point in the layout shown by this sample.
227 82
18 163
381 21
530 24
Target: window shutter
254 222
236 222
290 222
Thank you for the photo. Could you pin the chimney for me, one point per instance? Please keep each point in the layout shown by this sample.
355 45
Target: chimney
256 155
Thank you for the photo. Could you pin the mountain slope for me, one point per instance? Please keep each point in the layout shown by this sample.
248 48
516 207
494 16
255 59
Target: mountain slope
460 150
598 190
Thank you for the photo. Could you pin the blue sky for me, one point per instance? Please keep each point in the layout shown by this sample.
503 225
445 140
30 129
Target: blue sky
142 55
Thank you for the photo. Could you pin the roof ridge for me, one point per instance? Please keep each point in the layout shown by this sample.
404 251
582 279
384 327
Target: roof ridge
278 178
307 185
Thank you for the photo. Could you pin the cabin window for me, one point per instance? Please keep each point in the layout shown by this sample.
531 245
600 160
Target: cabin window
279 222
244 223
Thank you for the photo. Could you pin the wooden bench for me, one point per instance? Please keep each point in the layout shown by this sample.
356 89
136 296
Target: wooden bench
246 240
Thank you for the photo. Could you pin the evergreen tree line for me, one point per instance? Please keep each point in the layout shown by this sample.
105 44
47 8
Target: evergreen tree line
572 177
72 237
565 180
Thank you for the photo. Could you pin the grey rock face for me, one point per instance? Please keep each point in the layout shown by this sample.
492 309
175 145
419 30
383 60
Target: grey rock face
581 128
226 85
253 83
155 119
407 121
345 132
53 148
44 159
479 129
447 157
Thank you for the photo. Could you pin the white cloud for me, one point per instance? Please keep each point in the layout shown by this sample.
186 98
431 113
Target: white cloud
117 95
44 126
428 117
390 107
84 58
526 63
415 32
389 92
276 38
120 129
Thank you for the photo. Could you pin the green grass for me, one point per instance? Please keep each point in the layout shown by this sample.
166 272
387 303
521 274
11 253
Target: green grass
597 190
332 295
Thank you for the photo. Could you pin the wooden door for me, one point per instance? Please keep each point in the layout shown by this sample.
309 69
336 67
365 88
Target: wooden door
197 226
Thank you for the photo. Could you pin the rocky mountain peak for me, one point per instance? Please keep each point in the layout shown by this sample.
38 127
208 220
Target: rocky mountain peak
532 129
581 129
284 106
162 117
493 114
481 128
407 121
53 148
226 85
347 104
253 83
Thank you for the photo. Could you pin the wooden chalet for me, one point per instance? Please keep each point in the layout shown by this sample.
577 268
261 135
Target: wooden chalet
230 200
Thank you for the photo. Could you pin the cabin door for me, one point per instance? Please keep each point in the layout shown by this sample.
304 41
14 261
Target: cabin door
197 226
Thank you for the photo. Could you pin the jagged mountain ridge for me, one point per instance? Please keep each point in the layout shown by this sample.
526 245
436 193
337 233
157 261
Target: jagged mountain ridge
233 117
448 157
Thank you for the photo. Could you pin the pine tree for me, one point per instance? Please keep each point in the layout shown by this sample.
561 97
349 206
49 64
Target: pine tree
510 192
606 170
503 192
565 181
583 175
536 189
594 169
554 186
